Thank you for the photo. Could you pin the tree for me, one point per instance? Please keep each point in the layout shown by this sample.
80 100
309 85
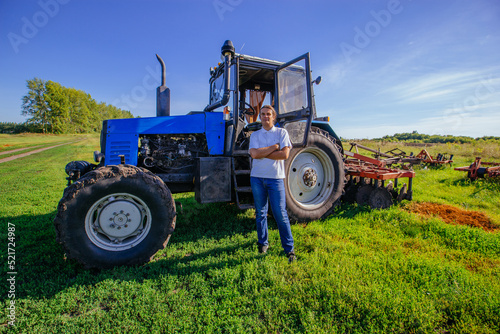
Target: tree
54 108
59 105
35 105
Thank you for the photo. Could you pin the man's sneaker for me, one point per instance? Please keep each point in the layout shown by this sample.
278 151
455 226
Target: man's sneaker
263 248
291 257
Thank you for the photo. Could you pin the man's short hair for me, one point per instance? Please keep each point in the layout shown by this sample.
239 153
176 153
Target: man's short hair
267 106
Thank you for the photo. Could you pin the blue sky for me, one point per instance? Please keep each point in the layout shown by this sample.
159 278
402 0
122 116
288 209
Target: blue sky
388 66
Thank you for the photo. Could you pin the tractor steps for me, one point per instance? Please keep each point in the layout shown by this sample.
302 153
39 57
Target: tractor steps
242 172
241 153
246 206
241 167
243 189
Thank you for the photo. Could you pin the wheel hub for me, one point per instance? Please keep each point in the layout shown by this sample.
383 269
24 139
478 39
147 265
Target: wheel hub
118 222
310 177
120 218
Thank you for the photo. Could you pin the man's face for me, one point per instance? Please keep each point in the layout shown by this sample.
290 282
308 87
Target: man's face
267 118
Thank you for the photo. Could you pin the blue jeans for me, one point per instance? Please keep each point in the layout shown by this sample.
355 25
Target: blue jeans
273 190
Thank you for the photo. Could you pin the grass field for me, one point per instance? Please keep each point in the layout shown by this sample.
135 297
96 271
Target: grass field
359 271
23 143
11 142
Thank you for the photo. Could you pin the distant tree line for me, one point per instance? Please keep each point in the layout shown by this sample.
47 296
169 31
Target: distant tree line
11 127
53 108
416 137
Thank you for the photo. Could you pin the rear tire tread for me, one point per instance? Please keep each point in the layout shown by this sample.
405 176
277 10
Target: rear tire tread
70 197
324 140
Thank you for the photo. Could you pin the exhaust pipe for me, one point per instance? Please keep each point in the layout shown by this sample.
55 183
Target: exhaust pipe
162 93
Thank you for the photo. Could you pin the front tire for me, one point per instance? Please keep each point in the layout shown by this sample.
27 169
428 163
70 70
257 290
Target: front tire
115 215
315 178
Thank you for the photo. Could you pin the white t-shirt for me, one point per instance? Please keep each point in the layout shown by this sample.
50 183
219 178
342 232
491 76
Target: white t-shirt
269 168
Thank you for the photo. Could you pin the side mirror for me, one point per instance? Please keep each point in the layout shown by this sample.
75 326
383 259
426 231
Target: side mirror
317 80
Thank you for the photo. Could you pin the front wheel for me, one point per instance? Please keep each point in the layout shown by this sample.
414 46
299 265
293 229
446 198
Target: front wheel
115 215
314 178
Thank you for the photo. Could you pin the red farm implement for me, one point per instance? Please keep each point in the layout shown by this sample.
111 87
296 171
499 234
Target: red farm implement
392 157
477 169
440 159
371 181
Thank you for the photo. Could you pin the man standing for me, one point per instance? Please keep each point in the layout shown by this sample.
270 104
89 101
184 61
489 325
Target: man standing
269 148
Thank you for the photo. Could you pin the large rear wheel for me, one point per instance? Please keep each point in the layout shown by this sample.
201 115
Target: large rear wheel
115 215
314 178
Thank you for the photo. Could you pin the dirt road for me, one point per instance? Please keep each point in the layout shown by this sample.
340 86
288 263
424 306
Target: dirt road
18 149
28 153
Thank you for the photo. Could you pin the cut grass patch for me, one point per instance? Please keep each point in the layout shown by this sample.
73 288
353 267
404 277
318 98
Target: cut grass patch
454 215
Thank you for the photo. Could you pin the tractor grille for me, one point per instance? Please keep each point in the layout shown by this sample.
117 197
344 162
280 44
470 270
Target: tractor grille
118 148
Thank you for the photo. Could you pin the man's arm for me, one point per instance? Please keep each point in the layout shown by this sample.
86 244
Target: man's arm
271 152
263 152
280 154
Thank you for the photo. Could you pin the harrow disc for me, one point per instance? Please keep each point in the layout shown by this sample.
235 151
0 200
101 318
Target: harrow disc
363 194
402 193
380 198
350 192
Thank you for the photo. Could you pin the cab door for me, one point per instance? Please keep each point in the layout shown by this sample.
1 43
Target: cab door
293 99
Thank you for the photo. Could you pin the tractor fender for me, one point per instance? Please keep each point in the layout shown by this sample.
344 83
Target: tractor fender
325 126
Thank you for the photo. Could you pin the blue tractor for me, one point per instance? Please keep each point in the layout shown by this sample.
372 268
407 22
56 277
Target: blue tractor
120 211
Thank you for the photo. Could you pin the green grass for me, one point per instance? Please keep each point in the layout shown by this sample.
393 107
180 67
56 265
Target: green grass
359 271
447 186
461 152
11 142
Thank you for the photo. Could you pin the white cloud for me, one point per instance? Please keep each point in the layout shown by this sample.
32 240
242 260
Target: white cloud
445 85
376 97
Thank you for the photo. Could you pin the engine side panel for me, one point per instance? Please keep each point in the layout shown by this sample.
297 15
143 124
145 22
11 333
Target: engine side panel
122 135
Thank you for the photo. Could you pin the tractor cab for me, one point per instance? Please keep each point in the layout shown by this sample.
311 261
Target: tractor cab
243 84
